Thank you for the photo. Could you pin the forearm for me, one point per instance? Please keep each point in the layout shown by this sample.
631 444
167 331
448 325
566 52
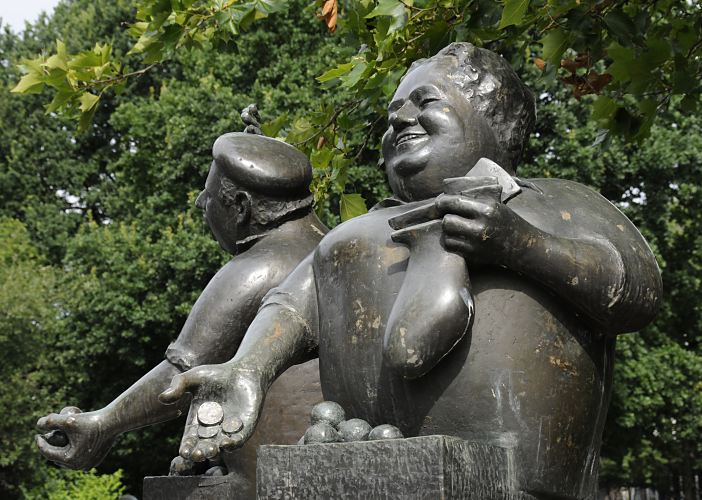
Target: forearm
139 406
589 273
278 338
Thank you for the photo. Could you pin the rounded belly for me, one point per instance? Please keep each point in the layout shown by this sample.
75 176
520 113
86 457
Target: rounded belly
529 375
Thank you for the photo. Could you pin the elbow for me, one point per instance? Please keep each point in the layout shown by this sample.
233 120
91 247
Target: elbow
407 362
639 303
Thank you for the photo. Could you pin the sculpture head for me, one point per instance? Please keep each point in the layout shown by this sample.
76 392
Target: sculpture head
255 184
449 111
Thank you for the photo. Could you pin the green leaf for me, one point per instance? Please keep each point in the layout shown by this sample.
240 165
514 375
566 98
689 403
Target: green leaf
271 128
623 62
386 8
30 83
340 70
354 75
555 43
689 104
352 205
60 100
513 13
620 26
88 101
320 158
86 119
55 61
137 30
659 50
603 109
85 59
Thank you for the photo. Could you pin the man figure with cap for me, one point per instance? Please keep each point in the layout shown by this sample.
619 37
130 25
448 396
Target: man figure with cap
257 203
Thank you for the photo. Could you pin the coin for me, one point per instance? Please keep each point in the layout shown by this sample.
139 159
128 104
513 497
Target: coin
207 432
210 413
232 425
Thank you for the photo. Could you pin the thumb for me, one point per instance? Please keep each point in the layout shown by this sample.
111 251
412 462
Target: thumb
180 384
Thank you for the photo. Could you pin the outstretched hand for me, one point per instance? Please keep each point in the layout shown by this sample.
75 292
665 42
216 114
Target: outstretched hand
226 404
74 439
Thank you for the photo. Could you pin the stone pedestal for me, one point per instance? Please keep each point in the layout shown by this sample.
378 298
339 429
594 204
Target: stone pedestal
229 487
428 467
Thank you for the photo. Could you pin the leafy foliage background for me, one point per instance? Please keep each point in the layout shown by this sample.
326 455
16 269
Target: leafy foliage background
102 254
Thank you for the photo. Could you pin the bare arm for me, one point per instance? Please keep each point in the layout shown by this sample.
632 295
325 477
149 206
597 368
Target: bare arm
283 333
212 332
596 260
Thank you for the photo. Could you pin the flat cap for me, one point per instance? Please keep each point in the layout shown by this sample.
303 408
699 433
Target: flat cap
264 165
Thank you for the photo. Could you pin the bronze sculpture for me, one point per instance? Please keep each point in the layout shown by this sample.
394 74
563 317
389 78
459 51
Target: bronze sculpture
556 273
257 203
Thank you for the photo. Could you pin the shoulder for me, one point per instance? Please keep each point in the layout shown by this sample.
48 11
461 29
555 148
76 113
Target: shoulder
569 208
364 233
248 271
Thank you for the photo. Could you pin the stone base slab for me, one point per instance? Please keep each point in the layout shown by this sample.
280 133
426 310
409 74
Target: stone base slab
427 467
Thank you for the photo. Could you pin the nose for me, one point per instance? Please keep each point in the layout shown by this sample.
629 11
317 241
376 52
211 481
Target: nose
200 200
404 117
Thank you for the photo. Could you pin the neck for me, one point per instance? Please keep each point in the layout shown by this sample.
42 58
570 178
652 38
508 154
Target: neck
305 224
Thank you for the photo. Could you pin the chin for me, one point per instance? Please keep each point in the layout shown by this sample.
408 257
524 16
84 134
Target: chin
409 162
415 187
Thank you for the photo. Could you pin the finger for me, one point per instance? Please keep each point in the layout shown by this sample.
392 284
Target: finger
198 455
457 245
210 449
491 192
459 205
181 467
187 446
454 185
455 226
70 410
232 442
55 453
410 234
52 421
415 216
181 383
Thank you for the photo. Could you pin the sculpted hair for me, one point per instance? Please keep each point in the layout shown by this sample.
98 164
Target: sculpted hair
495 91
266 210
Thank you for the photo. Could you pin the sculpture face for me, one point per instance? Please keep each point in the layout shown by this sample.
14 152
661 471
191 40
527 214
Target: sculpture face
224 219
434 133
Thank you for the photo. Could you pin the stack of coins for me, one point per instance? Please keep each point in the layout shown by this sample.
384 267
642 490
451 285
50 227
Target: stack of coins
209 416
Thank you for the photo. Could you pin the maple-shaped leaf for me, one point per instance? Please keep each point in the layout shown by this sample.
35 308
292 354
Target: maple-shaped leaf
330 9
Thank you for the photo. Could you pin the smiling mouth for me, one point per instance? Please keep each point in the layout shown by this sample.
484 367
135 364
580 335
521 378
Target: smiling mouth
407 137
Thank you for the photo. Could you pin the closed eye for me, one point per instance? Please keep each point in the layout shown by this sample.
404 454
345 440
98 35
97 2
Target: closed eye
427 100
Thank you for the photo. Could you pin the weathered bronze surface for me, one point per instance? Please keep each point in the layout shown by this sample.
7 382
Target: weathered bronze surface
556 272
257 203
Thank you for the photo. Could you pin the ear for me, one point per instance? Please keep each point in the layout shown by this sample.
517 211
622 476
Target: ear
242 203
